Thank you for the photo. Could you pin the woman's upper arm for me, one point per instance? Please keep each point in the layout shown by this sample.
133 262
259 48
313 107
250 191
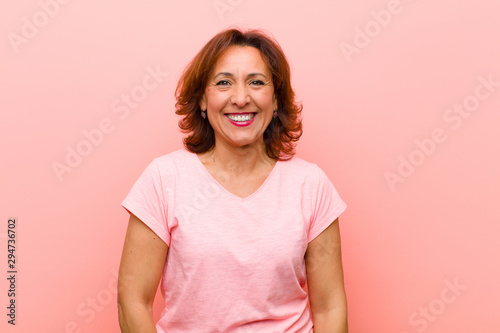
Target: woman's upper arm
142 263
324 270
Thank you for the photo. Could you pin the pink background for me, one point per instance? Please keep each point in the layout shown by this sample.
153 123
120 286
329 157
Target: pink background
377 79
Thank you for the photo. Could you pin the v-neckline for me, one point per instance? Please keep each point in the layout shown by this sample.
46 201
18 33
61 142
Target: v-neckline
226 191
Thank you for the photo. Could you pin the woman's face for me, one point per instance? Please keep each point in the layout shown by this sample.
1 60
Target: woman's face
239 97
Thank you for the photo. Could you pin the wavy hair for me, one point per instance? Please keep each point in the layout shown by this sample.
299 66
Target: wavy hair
281 134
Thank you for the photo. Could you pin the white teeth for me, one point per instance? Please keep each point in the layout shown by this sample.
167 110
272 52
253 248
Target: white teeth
241 117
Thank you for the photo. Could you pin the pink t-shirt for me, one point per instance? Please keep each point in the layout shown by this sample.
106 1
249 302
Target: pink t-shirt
234 264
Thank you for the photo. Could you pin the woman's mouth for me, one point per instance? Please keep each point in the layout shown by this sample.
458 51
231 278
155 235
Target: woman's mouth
241 119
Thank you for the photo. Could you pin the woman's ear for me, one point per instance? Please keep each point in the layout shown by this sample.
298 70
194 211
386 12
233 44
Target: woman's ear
275 102
203 103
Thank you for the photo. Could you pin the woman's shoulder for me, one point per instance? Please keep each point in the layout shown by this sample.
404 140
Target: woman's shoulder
299 164
176 156
300 168
166 164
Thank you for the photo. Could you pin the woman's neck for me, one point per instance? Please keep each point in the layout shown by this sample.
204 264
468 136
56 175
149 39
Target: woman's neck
237 161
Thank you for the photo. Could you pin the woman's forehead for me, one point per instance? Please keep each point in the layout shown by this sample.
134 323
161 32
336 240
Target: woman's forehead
241 59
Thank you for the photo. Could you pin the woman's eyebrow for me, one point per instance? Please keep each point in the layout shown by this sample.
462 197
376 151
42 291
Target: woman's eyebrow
231 75
257 74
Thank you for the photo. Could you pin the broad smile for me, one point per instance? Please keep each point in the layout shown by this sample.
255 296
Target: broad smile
241 119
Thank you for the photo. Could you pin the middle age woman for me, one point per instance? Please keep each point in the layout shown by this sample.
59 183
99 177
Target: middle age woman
234 223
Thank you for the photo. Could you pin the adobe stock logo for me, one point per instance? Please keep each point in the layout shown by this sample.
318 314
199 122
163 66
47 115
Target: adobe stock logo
123 107
429 313
90 308
455 116
31 27
381 19
223 6
200 200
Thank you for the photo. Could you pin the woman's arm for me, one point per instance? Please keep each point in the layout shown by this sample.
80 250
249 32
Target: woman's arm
141 267
325 282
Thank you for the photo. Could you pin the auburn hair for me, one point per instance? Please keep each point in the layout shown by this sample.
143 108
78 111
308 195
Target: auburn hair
281 134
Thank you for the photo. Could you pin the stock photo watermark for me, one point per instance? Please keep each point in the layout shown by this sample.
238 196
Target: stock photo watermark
200 201
88 309
12 270
122 107
363 36
31 26
321 254
454 117
430 312
223 6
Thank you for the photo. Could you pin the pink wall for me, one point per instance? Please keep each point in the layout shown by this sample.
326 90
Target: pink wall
397 110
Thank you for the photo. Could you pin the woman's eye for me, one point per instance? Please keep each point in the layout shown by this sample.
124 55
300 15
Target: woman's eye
257 82
223 83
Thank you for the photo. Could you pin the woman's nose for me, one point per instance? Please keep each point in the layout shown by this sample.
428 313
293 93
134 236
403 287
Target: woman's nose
240 96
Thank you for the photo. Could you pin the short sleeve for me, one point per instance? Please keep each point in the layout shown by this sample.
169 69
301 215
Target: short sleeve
146 200
328 205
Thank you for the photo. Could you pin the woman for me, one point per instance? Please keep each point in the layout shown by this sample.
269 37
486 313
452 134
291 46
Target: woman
234 224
